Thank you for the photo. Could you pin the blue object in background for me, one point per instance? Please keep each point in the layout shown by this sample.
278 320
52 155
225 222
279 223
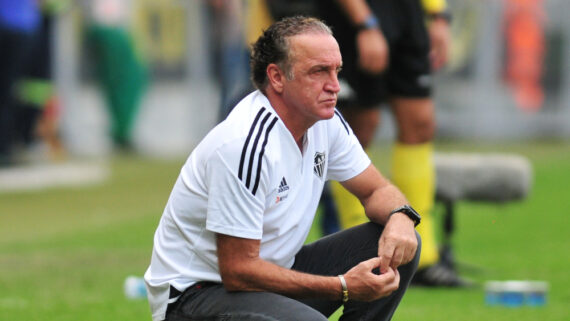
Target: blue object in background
493 292
20 15
516 293
135 288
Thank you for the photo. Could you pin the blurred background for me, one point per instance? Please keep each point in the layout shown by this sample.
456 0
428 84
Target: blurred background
507 79
118 92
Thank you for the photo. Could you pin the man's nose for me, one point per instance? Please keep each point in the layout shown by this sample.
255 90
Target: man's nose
333 84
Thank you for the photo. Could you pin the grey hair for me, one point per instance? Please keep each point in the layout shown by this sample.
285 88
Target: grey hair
273 46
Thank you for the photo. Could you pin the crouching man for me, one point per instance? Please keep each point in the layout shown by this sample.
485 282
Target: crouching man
230 243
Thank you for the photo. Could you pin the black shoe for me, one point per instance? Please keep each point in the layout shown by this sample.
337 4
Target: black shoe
124 146
440 275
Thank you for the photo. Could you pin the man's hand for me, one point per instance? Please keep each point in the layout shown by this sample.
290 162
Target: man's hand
398 243
373 50
440 38
363 285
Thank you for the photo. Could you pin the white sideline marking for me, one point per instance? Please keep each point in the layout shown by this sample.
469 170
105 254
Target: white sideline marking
40 176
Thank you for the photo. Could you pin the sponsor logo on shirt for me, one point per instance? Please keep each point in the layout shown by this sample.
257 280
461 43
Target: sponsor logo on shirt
319 166
283 187
280 199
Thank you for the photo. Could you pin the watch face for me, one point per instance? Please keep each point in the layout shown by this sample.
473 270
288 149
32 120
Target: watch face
412 211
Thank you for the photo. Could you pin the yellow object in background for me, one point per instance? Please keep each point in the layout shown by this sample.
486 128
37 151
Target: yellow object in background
350 210
432 6
413 171
160 29
258 19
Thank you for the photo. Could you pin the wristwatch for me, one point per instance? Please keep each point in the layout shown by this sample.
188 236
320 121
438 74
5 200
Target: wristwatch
371 22
409 212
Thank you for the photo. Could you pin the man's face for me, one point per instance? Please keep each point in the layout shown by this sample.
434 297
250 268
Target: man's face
316 61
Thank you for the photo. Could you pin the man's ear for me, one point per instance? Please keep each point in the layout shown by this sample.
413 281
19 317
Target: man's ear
276 77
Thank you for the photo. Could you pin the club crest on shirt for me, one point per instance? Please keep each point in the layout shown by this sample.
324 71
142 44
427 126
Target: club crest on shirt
319 166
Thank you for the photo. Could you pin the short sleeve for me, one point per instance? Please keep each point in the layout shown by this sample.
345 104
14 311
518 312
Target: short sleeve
232 208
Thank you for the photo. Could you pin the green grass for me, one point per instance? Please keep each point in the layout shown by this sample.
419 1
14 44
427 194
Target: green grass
64 253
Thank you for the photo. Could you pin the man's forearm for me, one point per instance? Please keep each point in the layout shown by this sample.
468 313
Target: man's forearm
260 275
376 193
242 269
382 201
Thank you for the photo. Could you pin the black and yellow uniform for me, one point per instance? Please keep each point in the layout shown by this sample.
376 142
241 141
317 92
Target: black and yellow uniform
408 73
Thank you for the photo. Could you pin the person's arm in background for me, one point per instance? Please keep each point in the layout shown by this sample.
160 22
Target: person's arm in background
439 33
372 46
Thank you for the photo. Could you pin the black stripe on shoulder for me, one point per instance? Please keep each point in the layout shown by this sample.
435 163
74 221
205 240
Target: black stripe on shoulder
342 121
245 145
254 149
260 156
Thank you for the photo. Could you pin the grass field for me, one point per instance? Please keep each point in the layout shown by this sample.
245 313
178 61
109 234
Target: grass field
64 253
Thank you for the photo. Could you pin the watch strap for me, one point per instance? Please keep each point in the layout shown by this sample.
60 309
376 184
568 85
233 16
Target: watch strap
409 212
371 22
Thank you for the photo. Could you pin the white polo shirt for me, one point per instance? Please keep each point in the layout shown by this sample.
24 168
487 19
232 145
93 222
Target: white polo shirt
247 178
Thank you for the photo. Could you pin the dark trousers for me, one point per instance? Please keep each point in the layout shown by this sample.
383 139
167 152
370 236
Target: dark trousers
14 50
331 255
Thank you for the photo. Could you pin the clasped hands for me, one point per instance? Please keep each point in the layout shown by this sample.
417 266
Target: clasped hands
397 246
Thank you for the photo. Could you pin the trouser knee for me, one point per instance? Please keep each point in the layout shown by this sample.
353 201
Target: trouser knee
413 265
418 250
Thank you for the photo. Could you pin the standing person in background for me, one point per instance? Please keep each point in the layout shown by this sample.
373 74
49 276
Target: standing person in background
121 71
230 243
389 56
231 52
38 111
525 51
244 23
19 23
